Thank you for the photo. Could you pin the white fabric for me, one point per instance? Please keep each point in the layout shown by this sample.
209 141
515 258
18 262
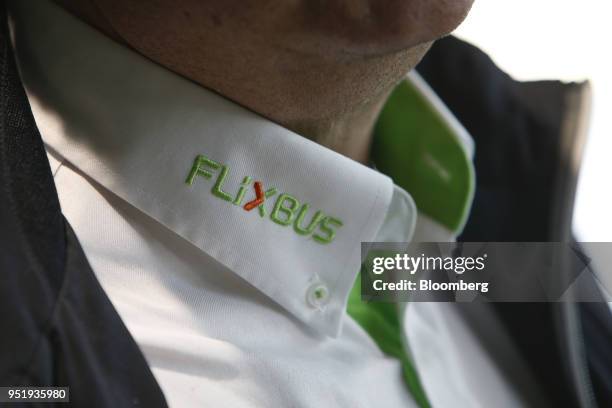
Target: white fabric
428 230
401 219
148 168
452 367
210 337
218 298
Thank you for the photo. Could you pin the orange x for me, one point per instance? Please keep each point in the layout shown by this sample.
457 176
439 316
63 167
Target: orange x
259 193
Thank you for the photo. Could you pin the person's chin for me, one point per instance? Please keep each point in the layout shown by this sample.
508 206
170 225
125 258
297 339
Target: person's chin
385 26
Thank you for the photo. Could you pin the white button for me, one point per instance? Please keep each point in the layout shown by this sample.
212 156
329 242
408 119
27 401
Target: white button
317 296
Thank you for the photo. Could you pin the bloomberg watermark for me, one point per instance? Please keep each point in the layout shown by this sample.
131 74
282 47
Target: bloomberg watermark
479 271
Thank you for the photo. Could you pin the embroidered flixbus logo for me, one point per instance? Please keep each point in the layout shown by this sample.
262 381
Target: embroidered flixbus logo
285 211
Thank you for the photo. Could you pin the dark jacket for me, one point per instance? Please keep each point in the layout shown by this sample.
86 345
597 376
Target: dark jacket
59 328
528 140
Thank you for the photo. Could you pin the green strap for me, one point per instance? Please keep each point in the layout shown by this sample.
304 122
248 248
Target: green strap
420 151
381 322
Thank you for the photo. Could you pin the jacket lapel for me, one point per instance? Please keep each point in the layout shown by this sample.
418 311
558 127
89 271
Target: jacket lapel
59 325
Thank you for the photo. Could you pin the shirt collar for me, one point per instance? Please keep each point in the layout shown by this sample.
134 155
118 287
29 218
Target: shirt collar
192 160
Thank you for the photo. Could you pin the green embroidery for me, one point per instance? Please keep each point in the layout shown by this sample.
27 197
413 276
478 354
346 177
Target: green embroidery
284 211
242 190
297 225
269 193
216 190
197 170
278 208
326 227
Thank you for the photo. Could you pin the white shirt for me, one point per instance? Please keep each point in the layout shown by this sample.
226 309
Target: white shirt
230 307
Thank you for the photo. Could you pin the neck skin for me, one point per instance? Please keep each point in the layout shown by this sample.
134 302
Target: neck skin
349 134
330 97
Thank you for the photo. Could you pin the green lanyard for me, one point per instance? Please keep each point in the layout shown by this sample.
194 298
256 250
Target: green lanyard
416 146
381 322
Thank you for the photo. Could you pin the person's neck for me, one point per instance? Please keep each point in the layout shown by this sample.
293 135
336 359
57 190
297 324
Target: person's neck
349 134
347 130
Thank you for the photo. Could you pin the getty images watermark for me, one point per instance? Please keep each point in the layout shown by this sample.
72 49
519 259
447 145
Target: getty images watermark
418 264
479 271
